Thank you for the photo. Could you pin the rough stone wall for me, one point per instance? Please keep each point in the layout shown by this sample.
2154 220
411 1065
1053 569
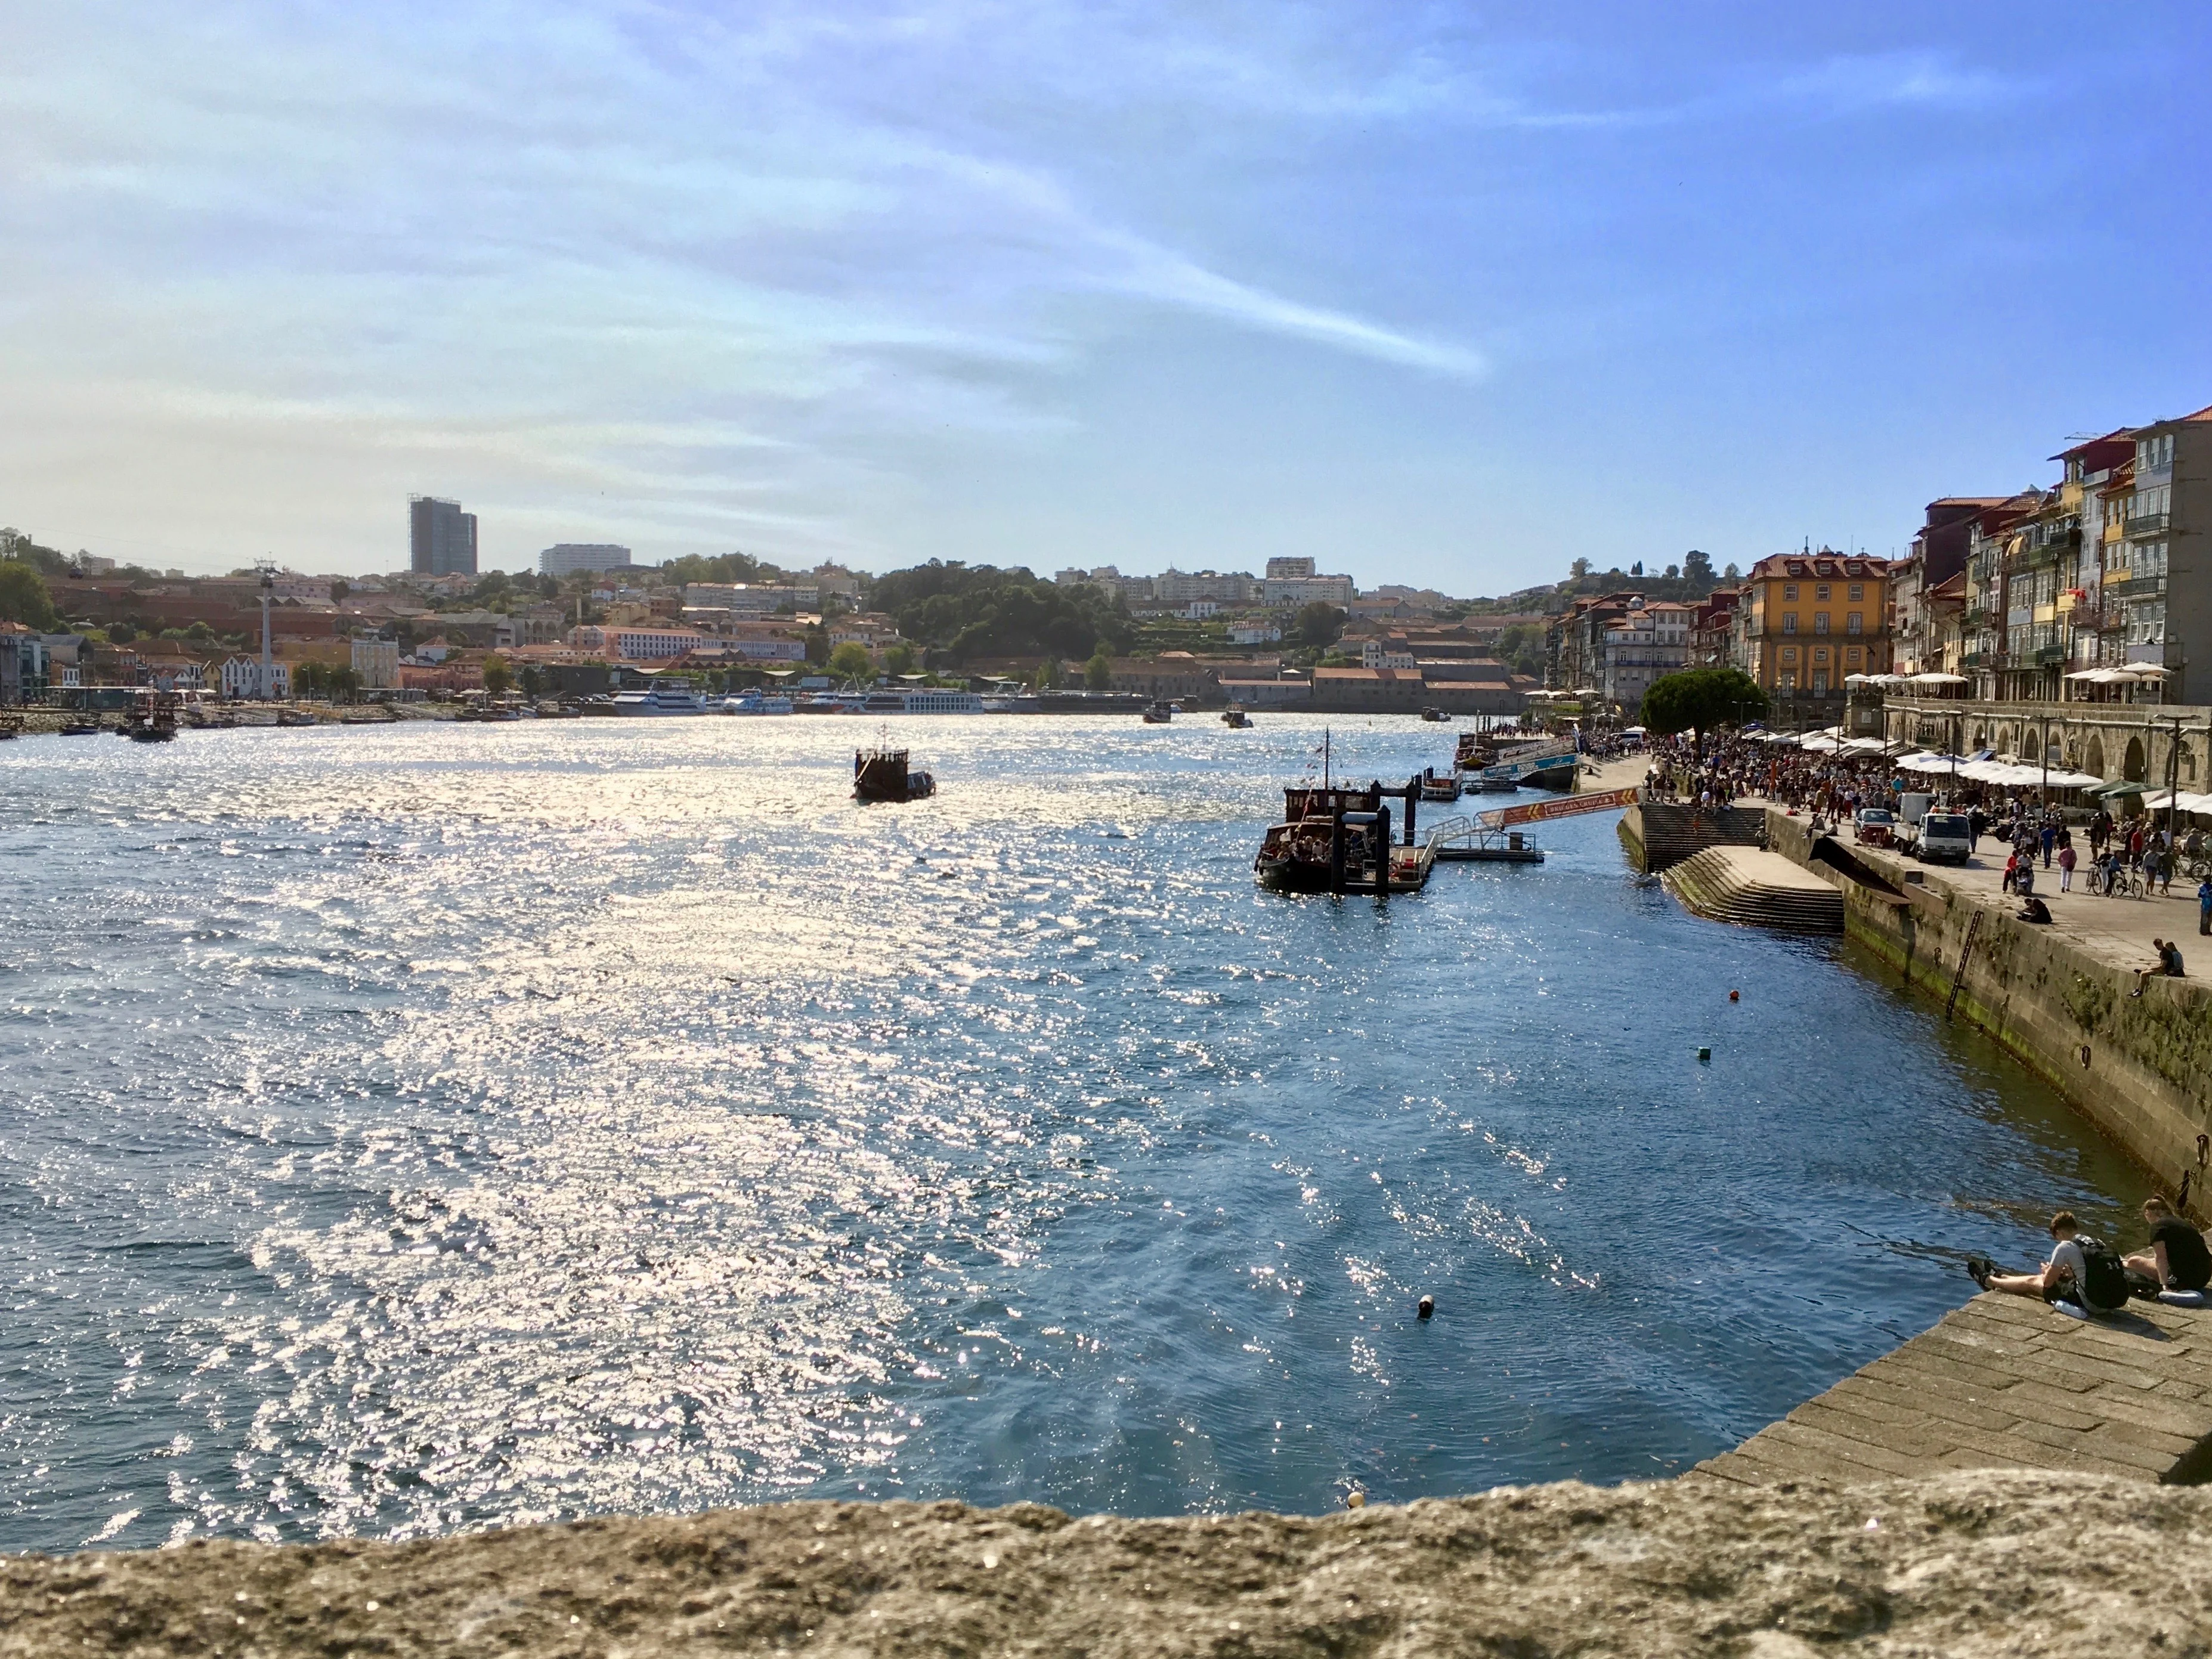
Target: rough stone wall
1962 1564
2139 1068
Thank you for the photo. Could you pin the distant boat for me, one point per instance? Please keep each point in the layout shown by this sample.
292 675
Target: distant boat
882 775
1157 712
1434 714
1235 719
752 702
928 700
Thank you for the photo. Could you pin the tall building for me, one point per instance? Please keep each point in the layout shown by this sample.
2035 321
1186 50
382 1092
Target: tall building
441 538
569 558
1282 569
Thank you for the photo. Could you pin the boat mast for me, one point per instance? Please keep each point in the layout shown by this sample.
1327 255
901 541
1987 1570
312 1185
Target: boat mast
1324 757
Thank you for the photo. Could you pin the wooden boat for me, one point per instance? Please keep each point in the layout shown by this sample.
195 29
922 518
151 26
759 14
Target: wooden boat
80 729
880 775
153 717
1157 712
1433 788
295 717
1437 714
1235 719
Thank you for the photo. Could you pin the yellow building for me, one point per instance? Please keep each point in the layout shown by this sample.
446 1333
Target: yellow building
1813 619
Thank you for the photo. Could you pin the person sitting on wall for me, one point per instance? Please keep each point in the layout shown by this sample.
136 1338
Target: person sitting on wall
2169 965
2081 1271
2178 1258
2034 910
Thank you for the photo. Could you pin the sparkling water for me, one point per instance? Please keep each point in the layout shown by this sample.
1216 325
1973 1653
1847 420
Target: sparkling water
416 1128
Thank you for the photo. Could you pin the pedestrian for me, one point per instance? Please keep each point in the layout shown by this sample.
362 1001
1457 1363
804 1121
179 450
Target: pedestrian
2011 871
2066 869
2204 906
2049 841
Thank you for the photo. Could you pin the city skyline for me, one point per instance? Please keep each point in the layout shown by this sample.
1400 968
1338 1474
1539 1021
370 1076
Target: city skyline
1434 301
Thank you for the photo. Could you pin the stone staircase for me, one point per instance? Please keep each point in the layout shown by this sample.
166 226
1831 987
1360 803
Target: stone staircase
1659 835
1754 888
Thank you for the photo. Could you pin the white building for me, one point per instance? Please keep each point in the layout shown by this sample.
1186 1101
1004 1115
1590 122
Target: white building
1202 610
1650 641
637 642
568 558
1295 592
752 599
376 664
1393 652
1289 569
1254 632
251 678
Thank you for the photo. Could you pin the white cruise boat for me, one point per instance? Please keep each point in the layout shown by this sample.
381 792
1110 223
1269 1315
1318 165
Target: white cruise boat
677 699
927 700
752 702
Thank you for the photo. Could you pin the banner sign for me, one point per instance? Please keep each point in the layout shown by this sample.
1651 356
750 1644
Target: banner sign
1566 806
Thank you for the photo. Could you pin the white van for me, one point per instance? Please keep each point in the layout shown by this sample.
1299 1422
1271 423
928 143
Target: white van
1943 838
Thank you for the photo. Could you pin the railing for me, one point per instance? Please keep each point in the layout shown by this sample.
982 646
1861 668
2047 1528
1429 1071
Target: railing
2136 587
2149 524
2047 655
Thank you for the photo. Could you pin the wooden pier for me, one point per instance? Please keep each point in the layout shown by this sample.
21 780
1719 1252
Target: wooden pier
2006 1383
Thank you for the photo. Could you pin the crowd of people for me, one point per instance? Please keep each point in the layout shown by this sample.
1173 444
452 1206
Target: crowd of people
2141 855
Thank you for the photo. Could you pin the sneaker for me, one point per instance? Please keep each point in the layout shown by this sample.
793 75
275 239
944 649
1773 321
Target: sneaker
1978 1268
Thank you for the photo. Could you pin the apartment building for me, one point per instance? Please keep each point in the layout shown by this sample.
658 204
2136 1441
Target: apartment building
1813 619
1651 640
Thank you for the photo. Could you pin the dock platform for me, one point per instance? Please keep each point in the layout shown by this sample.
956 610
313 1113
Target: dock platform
2006 1383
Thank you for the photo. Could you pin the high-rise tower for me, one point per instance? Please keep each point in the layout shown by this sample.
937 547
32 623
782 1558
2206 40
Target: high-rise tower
441 538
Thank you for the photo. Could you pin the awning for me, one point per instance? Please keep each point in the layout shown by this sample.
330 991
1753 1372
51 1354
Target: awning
2116 791
1939 679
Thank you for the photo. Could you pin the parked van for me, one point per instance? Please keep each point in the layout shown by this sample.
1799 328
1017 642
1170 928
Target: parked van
1943 838
1913 806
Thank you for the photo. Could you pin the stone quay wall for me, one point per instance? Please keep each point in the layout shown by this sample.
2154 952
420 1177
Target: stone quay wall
2138 1068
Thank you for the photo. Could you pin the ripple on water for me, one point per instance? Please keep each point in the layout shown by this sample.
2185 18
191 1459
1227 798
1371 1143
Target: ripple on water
419 1129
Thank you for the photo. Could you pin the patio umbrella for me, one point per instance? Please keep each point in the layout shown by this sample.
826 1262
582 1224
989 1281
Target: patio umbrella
2119 791
1939 679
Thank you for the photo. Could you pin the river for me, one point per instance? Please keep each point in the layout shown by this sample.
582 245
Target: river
413 1129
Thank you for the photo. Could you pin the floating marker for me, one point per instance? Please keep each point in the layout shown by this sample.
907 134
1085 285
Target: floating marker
1356 1501
1705 1053
1735 996
1428 1306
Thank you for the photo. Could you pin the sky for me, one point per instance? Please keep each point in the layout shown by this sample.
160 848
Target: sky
1444 295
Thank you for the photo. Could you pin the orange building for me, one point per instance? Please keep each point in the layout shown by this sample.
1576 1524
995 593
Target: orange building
1813 620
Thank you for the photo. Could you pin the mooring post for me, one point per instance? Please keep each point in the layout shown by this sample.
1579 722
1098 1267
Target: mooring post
1336 843
1412 794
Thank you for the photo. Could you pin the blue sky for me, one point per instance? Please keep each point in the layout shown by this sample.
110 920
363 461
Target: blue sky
1449 295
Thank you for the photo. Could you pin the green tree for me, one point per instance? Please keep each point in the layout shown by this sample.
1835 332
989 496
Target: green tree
24 597
1700 699
1319 625
817 647
122 633
1099 672
497 676
851 661
1048 675
533 680
899 659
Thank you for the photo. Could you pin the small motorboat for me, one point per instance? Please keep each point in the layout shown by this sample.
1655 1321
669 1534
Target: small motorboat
1158 711
1235 719
1437 714
1439 788
81 729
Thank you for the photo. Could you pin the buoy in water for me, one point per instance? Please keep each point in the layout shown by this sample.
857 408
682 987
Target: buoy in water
1735 996
1428 1306
1356 1501
1705 1053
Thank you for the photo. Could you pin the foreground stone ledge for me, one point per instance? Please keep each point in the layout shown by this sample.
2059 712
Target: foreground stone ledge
1966 1563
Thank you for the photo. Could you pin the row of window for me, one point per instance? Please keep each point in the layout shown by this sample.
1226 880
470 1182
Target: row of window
1854 624
2152 454
1821 591
1853 656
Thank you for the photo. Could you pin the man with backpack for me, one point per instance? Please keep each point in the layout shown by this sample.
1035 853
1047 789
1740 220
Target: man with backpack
2084 1271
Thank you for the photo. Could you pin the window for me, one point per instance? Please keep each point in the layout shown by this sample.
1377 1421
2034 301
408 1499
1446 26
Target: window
1790 590
1854 653
1855 622
1789 622
1821 591
1859 592
1819 681
1820 621
1789 653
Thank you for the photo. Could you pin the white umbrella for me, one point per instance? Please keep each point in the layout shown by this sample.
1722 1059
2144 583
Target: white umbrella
1939 679
2076 781
1865 746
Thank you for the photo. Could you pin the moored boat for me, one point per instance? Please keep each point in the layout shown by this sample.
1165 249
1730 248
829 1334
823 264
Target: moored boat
1433 788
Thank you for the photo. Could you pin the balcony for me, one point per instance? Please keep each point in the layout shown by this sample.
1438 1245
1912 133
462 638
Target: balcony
2047 655
2149 524
2136 587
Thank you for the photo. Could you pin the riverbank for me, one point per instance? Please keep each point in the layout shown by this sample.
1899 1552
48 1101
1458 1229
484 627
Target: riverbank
2059 997
1959 1564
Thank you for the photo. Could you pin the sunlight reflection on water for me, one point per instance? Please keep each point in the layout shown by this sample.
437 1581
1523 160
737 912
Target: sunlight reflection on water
412 1129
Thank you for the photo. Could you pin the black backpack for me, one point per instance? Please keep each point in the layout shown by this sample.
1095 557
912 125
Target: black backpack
2104 1285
